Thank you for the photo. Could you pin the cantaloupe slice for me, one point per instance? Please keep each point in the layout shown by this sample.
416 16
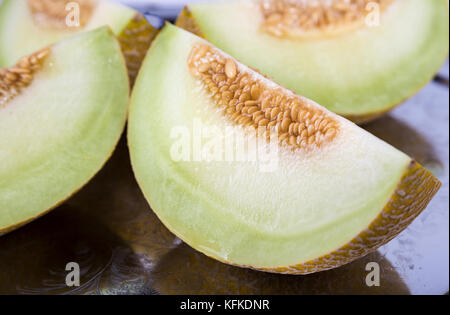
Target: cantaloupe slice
62 111
253 175
28 25
358 58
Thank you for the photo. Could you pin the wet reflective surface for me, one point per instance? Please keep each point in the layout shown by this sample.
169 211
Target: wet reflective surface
122 248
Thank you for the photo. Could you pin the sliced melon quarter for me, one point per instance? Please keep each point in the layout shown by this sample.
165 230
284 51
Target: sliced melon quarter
62 111
28 25
253 175
358 58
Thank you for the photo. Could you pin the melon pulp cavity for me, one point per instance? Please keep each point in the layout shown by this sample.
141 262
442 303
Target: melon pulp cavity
29 25
62 111
329 192
338 52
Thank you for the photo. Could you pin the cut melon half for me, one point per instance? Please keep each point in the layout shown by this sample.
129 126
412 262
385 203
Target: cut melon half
357 58
253 175
28 25
62 111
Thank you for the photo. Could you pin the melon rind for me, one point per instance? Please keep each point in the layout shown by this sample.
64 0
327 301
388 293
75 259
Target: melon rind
135 40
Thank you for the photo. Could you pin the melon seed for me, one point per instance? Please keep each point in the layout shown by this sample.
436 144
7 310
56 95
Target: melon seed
297 17
13 79
249 101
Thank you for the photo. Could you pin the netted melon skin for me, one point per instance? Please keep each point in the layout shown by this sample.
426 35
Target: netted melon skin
414 192
135 40
186 20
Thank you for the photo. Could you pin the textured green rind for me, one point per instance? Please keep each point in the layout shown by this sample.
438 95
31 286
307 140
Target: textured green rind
197 211
135 40
62 128
345 73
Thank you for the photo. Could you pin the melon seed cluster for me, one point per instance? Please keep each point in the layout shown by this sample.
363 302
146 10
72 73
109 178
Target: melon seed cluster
52 13
252 103
287 17
15 78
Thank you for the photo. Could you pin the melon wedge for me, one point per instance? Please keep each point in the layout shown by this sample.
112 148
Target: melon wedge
359 70
62 111
28 25
309 201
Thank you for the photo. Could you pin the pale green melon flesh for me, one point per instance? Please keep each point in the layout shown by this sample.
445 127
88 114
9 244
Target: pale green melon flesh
310 205
60 131
359 73
20 36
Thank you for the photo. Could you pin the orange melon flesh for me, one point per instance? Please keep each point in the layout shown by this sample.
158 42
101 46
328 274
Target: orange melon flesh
290 206
59 129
